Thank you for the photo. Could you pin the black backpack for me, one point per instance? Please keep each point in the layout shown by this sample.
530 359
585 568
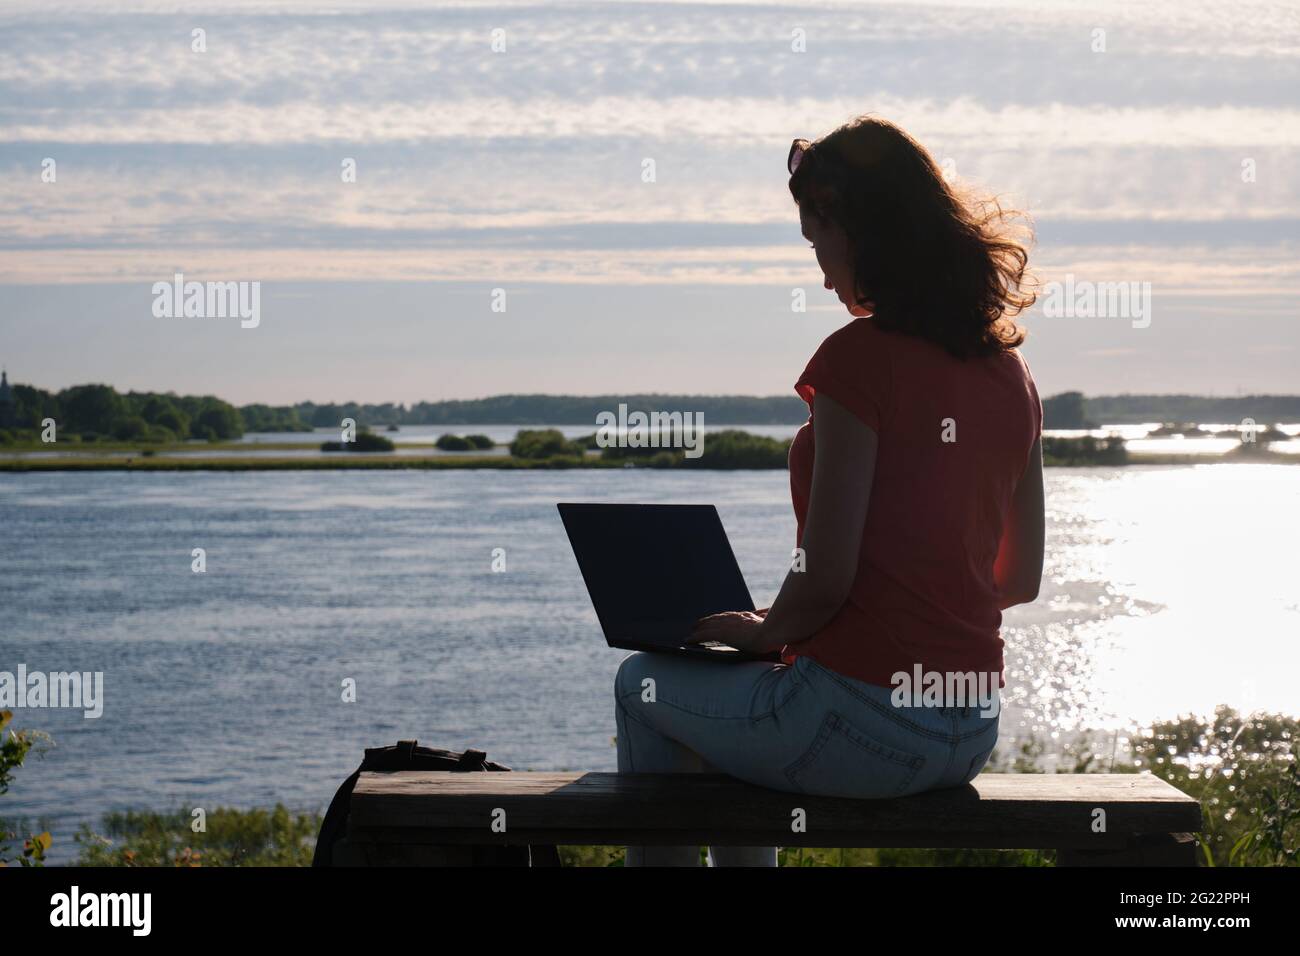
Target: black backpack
407 755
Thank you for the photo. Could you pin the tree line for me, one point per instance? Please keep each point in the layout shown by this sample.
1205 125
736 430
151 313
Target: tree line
101 412
1065 410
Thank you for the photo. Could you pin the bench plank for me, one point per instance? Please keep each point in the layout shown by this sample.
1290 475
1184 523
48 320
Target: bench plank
997 810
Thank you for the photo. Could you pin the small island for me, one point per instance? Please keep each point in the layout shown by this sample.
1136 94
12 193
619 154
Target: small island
365 441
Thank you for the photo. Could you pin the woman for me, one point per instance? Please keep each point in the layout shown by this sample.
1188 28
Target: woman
918 491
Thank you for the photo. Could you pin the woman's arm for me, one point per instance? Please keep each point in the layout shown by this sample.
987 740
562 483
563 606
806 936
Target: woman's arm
1019 566
844 465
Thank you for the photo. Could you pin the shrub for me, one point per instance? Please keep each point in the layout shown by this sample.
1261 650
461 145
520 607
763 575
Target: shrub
275 837
453 443
366 441
544 443
732 449
15 746
724 450
1245 771
653 447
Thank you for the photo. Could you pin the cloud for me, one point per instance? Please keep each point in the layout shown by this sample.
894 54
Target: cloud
466 153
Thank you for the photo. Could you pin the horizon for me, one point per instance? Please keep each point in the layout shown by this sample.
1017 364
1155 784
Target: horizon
614 395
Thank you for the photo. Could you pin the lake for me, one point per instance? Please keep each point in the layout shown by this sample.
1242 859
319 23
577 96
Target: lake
1168 589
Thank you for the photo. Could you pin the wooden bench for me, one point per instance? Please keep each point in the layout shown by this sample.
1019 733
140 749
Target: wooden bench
430 818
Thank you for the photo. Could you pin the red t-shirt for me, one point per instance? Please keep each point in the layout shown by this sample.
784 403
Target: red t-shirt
954 440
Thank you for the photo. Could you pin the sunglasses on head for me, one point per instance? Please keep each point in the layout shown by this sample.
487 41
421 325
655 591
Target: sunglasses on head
798 149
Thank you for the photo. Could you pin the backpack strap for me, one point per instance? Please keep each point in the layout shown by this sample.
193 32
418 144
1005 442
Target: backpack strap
471 760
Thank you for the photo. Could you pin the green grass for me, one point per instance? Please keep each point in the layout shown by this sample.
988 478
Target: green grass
275 837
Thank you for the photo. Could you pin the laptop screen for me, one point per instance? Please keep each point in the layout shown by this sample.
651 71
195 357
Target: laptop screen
653 570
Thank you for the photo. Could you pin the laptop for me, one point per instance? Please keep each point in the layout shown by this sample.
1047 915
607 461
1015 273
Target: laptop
654 570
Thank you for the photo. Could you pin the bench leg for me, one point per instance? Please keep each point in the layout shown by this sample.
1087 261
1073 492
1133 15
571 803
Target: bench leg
1158 849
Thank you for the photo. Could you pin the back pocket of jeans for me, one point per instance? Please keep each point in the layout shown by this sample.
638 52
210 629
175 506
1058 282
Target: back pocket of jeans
844 761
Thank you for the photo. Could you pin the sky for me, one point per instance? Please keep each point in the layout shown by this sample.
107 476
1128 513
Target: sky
1125 130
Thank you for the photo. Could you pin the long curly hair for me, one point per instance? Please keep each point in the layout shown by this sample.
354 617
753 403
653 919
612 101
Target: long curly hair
945 267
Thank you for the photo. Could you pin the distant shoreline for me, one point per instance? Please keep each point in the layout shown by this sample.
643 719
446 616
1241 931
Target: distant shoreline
728 449
386 462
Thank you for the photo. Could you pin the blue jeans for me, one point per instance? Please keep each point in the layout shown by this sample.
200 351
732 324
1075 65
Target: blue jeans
802 729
